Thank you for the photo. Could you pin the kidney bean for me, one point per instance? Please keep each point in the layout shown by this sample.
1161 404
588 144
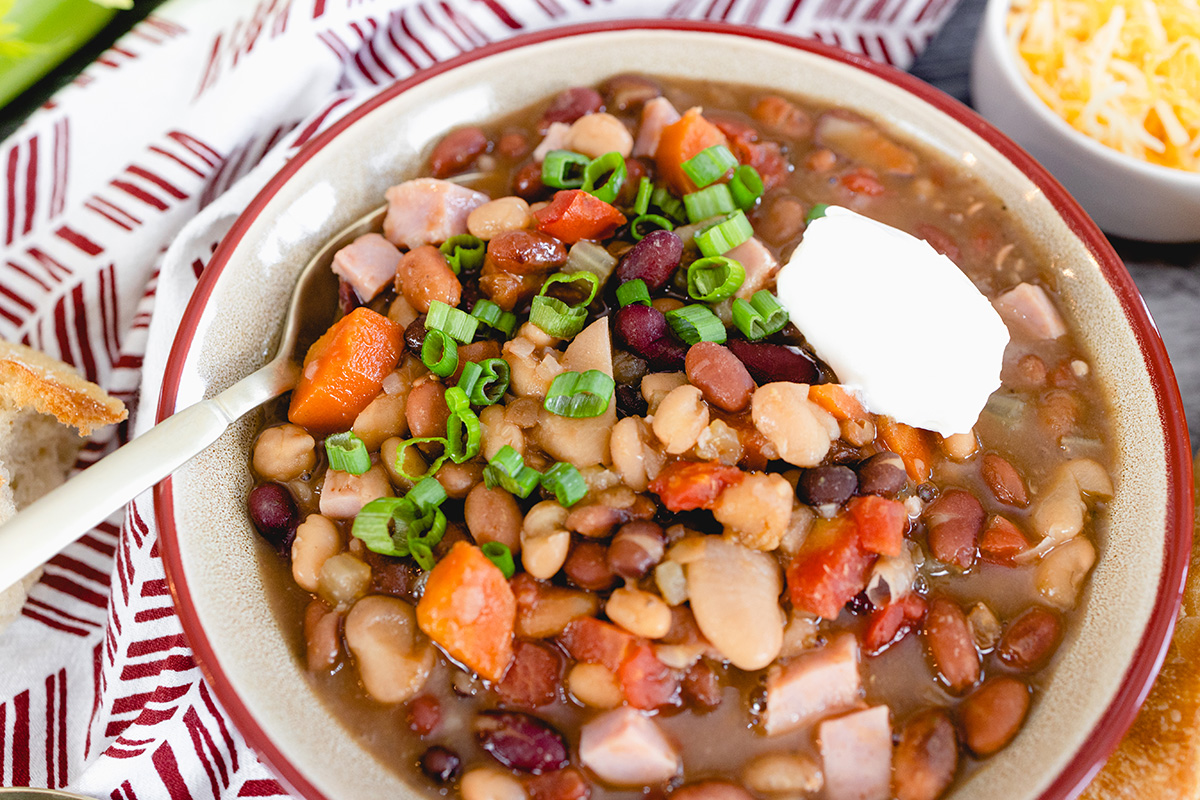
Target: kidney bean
993 713
587 566
636 549
955 521
426 410
653 259
950 644
718 373
441 764
783 116
702 686
644 330
1030 639
512 144
1002 541
456 151
882 474
322 639
414 336
629 92
769 363
1058 412
824 485
595 520
533 676
1004 480
571 104
424 714
711 790
520 741
273 512
926 758
527 183
563 784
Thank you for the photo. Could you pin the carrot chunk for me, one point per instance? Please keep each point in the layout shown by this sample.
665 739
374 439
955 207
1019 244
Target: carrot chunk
469 609
680 141
344 371
834 398
913 445
830 569
688 485
574 214
881 524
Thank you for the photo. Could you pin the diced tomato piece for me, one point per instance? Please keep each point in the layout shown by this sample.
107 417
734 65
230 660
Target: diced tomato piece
344 371
680 141
893 622
1002 541
830 569
881 524
574 214
647 682
837 400
862 181
597 642
915 447
767 158
688 485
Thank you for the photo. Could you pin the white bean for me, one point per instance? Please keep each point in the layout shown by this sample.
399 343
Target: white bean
545 540
343 579
596 134
392 655
284 453
491 783
641 613
1061 573
317 540
783 414
680 419
499 216
594 685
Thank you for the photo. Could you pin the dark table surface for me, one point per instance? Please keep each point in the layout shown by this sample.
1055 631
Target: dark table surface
1167 275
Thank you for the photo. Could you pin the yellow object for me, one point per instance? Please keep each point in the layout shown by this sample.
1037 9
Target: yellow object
1124 72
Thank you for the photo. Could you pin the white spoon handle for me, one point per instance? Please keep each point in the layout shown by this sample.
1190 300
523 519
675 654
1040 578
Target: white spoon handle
51 523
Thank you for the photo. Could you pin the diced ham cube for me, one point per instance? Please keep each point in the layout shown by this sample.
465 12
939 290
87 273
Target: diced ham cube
344 494
856 751
368 264
1027 309
556 139
813 686
428 211
656 115
759 264
626 748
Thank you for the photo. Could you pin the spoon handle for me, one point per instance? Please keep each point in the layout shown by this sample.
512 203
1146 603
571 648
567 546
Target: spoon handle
60 517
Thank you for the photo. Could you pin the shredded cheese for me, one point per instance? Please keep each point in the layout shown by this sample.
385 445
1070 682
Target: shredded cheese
1125 72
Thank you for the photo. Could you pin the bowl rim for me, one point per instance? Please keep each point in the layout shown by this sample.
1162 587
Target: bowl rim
1152 647
994 26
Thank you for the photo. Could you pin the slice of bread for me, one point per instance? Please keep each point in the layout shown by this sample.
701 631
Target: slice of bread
1160 756
39 398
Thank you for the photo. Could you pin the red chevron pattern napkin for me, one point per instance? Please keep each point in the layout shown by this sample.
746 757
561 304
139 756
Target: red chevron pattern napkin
160 143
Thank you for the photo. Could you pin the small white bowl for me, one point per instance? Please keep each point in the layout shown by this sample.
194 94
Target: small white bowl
1124 195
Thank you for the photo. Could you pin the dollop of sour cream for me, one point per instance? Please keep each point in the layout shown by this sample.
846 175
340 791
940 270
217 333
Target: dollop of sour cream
899 322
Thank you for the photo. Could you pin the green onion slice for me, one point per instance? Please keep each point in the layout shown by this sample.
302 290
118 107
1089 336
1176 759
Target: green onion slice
715 278
451 321
746 186
611 165
464 252
427 494
761 317
485 382
709 165
556 317
646 224
662 199
494 317
563 169
709 202
566 483
816 212
633 291
463 431
579 395
641 204
593 284
696 324
432 468
439 353
508 471
499 554
395 526
347 453
725 235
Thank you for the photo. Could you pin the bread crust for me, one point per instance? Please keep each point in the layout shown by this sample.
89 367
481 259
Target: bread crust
29 379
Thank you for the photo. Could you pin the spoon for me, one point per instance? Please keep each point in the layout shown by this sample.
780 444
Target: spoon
51 523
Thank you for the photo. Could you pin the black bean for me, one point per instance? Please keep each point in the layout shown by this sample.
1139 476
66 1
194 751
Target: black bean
273 512
630 402
653 260
414 335
644 330
860 604
827 485
441 764
882 474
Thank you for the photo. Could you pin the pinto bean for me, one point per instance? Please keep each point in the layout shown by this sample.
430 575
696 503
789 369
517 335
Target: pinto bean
456 151
641 613
427 411
1030 639
527 182
459 479
516 263
951 645
993 713
783 116
423 276
628 92
719 375
284 453
587 566
882 474
702 686
636 549
595 685
491 783
492 515
322 642
382 419
926 758
1003 479
544 610
955 521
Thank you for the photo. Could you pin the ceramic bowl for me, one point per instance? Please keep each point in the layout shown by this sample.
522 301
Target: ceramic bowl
217 565
1124 195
